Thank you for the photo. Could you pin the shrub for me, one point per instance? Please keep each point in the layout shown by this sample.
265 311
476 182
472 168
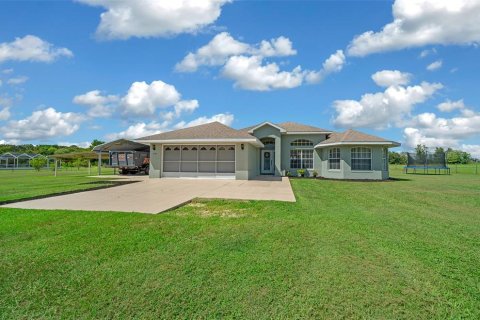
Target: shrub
301 172
314 173
287 173
38 163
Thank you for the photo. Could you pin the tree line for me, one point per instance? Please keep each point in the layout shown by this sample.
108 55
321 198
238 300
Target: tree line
46 149
453 156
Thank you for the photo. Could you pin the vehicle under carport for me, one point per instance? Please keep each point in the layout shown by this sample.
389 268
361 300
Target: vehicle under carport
128 156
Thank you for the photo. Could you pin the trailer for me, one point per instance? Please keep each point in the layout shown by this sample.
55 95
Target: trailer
130 162
128 156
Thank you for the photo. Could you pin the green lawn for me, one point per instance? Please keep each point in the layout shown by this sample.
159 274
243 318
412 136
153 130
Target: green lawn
403 249
20 184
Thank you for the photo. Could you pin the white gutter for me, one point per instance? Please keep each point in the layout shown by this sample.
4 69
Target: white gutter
255 142
352 143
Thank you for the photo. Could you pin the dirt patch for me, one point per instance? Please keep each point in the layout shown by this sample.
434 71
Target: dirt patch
202 210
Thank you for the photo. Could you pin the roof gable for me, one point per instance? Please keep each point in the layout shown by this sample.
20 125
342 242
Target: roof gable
212 130
352 137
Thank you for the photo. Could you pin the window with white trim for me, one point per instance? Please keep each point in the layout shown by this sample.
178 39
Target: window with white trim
361 158
334 159
301 143
301 159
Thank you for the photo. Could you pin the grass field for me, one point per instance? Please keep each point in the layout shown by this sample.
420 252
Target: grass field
403 249
20 184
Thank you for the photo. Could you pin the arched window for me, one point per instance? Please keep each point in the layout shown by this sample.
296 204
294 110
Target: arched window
301 143
361 158
185 149
268 141
334 159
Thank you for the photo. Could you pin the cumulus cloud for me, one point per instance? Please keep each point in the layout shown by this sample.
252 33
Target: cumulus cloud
143 99
43 124
434 131
387 78
425 53
17 80
422 22
223 46
139 130
31 48
435 65
98 104
383 109
245 63
249 73
333 64
225 118
154 18
142 129
449 106
473 149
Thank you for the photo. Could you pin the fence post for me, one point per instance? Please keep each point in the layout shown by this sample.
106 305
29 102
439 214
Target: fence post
476 167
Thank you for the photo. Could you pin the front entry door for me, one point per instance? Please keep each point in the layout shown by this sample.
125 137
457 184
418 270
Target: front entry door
268 160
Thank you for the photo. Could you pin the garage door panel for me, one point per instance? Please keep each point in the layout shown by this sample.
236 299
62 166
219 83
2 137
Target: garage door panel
171 166
226 167
199 160
207 167
188 167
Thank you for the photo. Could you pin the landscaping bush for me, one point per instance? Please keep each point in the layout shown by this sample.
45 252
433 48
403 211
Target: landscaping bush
301 172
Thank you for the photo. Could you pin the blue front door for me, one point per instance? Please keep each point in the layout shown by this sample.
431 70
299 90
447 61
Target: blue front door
268 161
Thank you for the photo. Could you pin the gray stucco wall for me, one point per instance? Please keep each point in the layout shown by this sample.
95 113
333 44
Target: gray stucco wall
287 139
247 166
270 132
155 161
345 172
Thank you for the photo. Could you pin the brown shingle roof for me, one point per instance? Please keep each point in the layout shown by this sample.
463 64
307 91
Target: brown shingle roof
212 130
292 127
353 136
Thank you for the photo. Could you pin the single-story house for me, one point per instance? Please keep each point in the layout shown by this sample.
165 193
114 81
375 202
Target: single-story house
217 150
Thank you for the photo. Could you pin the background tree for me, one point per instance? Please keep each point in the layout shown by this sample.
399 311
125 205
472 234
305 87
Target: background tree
38 163
95 143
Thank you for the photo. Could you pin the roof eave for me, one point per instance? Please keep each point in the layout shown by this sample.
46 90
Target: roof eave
253 141
390 144
308 132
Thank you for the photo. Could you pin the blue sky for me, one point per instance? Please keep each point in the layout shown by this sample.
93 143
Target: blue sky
69 75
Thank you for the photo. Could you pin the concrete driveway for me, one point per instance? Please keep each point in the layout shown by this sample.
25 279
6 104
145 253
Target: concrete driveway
158 195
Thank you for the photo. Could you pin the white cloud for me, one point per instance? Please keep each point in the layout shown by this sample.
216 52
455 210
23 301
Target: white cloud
387 78
332 64
139 130
31 48
17 80
435 65
84 144
5 104
225 118
155 18
473 149
249 73
382 109
143 99
427 52
423 22
43 124
224 46
1 83
449 106
7 71
99 105
214 53
5 113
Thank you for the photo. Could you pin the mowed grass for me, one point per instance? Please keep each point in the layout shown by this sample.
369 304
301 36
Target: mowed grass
403 249
21 184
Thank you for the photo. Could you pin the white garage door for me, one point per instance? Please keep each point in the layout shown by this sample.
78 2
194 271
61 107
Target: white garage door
199 161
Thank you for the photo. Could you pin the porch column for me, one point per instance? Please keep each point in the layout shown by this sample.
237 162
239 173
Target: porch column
100 163
278 156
